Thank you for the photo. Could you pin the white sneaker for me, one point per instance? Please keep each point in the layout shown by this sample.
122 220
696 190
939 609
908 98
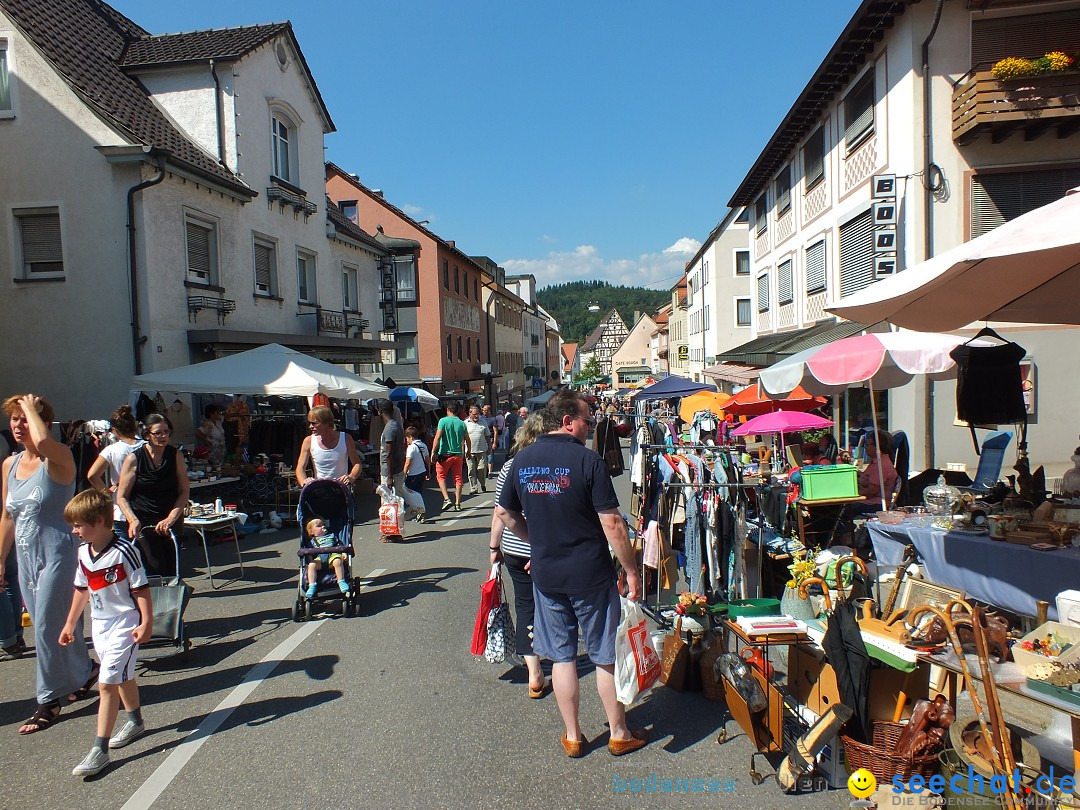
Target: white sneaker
128 734
96 761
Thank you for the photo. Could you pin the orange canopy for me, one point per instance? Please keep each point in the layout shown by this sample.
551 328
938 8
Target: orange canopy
751 402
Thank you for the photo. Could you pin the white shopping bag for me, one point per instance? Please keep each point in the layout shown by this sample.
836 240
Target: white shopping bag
391 513
414 501
637 666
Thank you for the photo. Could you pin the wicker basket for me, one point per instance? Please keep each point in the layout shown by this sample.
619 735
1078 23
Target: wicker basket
882 761
714 689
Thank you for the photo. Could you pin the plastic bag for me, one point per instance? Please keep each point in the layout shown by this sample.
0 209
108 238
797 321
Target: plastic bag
738 674
391 513
637 666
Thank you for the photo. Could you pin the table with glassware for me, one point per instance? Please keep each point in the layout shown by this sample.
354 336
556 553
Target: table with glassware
210 522
1009 575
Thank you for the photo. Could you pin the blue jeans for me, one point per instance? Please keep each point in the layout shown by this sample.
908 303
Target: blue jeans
11 602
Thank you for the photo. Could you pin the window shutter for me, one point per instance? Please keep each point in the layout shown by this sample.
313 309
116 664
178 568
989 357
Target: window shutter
41 246
785 294
997 198
1028 36
857 254
815 267
814 157
763 292
859 109
263 259
761 214
198 251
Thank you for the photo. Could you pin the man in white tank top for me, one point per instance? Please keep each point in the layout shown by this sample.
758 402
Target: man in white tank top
331 453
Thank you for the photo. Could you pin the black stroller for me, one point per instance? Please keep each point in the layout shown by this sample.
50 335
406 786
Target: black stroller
331 501
169 596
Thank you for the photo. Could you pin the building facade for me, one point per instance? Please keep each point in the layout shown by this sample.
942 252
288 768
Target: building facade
884 161
678 360
603 341
630 363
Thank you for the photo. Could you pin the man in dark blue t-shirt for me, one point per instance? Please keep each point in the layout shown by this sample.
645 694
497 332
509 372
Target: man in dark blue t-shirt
565 489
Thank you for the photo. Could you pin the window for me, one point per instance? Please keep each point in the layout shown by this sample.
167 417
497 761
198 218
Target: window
201 236
407 352
476 289
813 158
349 290
348 208
782 191
1030 36
405 270
265 267
742 262
742 311
704 273
857 254
445 274
997 198
459 348
859 111
449 349
283 140
478 348
7 106
761 214
707 318
784 294
744 216
466 283
763 292
42 247
815 267
457 280
305 276
468 350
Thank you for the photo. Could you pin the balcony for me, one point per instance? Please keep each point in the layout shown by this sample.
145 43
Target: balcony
290 197
337 322
222 306
1032 105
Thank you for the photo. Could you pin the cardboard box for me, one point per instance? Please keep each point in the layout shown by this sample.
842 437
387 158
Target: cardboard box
1072 652
813 682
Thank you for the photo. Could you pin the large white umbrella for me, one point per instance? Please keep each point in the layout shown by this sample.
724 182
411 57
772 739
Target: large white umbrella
271 370
1024 271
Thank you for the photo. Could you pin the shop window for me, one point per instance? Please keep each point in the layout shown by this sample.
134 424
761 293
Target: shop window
305 276
41 246
265 253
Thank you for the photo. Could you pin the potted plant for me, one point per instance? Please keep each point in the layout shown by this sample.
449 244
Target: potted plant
802 568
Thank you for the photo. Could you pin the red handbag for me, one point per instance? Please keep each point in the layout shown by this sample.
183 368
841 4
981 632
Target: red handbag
490 599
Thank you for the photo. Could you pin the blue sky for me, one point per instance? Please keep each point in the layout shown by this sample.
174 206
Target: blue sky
572 140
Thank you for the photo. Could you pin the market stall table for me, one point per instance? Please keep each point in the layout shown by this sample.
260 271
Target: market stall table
1007 575
204 524
805 510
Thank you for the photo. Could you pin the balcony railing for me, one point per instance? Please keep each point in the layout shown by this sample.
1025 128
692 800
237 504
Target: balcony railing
337 322
1032 105
283 197
222 306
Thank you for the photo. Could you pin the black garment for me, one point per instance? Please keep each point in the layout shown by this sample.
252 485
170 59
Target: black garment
989 388
606 443
562 486
847 653
152 498
524 606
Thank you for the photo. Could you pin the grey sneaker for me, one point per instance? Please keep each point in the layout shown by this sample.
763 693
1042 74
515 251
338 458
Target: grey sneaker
96 761
128 734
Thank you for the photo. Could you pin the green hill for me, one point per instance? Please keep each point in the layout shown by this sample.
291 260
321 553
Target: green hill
570 302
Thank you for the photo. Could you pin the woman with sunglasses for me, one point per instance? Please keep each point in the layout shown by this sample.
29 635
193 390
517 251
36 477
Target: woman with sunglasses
153 492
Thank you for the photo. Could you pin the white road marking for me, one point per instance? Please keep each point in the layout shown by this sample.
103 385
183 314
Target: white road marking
168 770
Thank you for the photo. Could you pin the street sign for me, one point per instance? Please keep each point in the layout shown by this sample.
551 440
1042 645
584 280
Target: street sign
537 383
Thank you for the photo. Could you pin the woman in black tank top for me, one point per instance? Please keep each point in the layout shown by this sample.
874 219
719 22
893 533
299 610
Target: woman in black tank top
153 492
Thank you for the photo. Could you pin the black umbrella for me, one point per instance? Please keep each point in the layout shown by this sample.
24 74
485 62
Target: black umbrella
847 653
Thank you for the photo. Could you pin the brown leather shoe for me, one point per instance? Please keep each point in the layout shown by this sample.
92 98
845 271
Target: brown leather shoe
573 748
639 738
536 694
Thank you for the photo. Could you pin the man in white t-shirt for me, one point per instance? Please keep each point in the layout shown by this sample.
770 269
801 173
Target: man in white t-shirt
477 457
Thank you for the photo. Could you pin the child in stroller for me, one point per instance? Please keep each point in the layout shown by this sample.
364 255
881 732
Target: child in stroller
326 513
320 538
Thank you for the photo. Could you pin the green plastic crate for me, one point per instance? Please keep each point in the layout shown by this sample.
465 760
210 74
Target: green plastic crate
829 481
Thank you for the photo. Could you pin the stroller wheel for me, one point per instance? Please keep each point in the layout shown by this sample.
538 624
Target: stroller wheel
297 612
344 607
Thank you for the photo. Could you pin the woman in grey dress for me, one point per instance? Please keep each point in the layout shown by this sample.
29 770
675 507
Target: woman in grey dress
37 484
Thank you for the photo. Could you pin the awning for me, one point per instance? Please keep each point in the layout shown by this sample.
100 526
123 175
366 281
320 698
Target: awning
733 373
769 349
224 342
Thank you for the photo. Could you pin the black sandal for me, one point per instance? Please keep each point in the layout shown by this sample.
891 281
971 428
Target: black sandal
83 691
45 716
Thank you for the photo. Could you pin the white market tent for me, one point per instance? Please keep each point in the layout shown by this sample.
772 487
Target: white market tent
270 370
538 402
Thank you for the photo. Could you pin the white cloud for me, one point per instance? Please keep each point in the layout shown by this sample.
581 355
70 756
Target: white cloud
687 244
657 270
548 239
416 212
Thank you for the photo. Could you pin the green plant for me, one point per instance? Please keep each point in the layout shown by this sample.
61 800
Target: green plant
1013 67
803 568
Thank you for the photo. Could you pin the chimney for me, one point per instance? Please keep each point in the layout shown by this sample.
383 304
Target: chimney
452 243
378 192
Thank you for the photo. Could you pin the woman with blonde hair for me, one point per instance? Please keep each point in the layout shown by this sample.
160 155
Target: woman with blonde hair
511 550
36 486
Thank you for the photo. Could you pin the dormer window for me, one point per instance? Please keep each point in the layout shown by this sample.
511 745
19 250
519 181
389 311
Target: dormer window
283 139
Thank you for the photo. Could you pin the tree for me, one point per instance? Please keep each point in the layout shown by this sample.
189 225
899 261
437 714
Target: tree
590 372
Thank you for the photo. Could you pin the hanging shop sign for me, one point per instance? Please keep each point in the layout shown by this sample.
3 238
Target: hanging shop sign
883 190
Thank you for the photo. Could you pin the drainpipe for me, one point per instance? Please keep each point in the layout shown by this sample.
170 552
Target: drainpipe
219 108
136 336
929 188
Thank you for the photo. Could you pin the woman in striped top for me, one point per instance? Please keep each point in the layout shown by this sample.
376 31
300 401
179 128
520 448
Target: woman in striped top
515 553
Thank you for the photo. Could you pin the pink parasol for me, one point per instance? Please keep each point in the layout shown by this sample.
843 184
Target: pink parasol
781 422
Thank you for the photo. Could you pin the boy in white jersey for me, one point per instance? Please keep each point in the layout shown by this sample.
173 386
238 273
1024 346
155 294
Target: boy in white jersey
111 578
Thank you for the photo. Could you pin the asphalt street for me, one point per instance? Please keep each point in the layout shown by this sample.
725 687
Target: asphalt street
386 709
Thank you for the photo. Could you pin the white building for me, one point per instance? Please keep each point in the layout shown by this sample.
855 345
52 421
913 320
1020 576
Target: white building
215 140
630 362
718 300
678 356
956 152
